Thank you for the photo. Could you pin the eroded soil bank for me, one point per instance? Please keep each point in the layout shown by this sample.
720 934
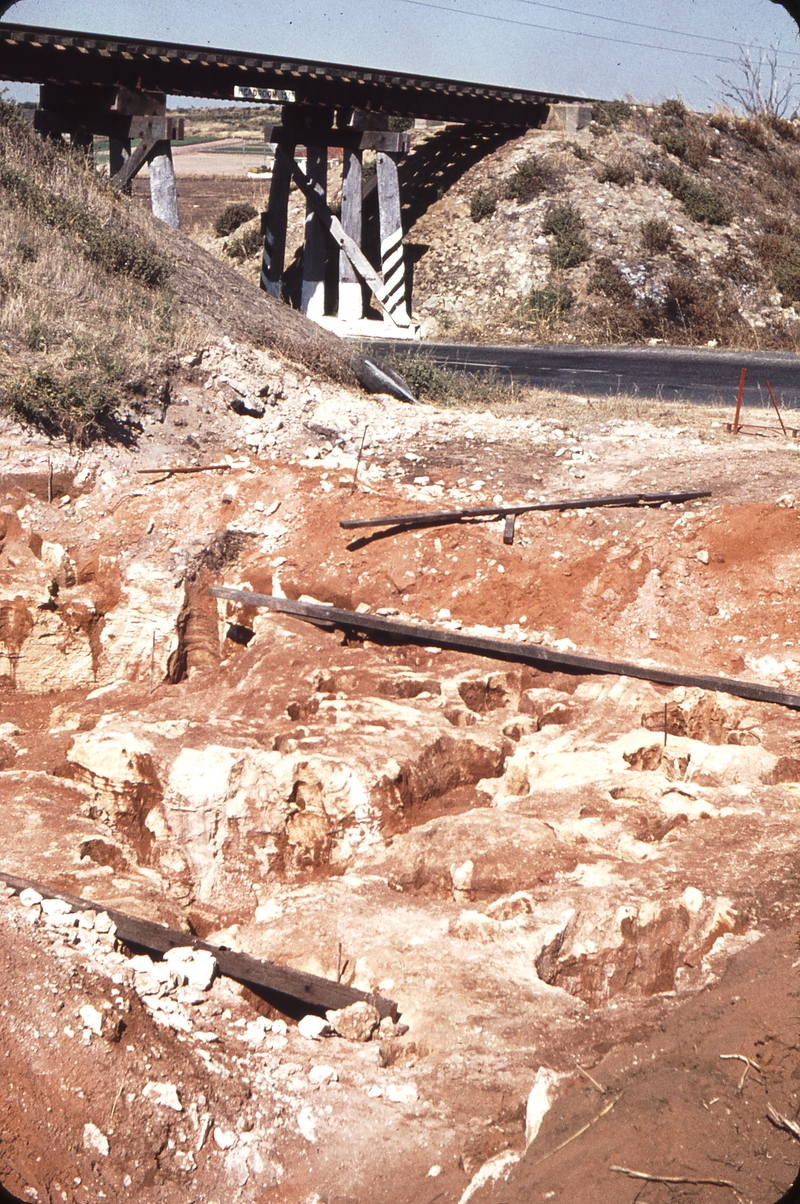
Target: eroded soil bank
580 921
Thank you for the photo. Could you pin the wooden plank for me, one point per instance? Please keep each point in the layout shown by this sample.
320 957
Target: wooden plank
351 307
274 220
133 164
309 989
348 137
390 224
505 650
436 518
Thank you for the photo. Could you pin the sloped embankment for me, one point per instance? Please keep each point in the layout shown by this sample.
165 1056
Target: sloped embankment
652 224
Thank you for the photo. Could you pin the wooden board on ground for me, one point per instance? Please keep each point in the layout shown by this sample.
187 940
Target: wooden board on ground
316 993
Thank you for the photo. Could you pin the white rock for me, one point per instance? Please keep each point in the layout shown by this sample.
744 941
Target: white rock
496 1168
539 1101
434 1172
200 970
30 897
224 1138
306 1125
55 907
692 899
702 556
322 1074
163 1094
190 996
140 964
95 1141
280 1028
356 1022
179 953
92 1018
206 1037
255 1032
461 875
198 966
104 923
313 1027
402 1093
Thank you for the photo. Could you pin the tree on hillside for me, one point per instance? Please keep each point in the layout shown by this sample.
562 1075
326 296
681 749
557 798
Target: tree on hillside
763 88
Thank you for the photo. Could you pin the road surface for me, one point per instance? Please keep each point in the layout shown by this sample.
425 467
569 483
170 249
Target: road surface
670 373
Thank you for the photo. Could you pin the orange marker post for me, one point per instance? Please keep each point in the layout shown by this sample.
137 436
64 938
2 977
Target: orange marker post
739 402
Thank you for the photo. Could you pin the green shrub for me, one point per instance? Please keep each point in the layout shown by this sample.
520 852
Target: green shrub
580 152
249 243
528 179
674 108
779 251
657 235
608 280
565 223
543 304
695 305
752 132
611 113
482 204
77 407
788 130
617 171
430 381
117 251
232 217
701 203
674 140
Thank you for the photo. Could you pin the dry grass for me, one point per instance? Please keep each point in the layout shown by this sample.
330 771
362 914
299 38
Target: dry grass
85 300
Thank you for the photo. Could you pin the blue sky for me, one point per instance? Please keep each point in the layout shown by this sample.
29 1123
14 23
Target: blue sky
648 49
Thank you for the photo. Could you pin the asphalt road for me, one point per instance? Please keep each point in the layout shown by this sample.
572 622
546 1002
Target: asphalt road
673 374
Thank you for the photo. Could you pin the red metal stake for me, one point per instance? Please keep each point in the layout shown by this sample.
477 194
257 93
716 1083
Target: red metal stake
777 411
739 402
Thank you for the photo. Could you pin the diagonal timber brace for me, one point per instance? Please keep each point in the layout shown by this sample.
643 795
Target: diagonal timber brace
134 163
346 244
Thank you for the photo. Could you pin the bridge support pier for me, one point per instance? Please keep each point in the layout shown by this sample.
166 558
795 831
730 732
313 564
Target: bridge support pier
163 187
312 302
119 114
351 303
315 130
273 222
390 223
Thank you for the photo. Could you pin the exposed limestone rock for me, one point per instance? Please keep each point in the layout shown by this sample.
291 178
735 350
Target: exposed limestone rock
355 1023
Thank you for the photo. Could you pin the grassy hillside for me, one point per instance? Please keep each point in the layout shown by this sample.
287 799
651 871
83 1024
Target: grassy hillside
85 295
98 298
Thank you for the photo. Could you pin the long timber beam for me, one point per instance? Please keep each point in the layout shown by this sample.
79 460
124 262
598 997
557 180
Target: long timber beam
29 54
387 630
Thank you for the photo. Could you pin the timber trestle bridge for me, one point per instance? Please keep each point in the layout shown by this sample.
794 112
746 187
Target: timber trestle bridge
116 88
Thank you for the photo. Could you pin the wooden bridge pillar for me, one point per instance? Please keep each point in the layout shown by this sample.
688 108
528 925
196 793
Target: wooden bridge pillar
311 127
313 296
390 225
163 187
119 114
351 304
273 222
